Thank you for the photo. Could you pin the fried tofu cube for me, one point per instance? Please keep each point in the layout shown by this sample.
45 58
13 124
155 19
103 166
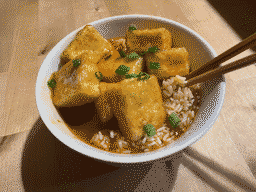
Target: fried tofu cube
118 43
76 86
108 67
141 40
90 43
172 62
106 101
140 104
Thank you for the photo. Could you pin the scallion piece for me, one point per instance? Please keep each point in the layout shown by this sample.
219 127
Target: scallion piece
133 56
129 76
174 120
141 54
150 130
154 65
132 27
122 70
76 62
51 83
143 76
122 53
100 76
153 49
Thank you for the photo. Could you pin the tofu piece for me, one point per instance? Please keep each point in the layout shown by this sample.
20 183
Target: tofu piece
141 40
76 86
109 66
118 43
140 104
172 62
105 102
90 43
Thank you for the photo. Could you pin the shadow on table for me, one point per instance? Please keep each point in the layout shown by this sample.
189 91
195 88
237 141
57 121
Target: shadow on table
49 165
240 15
190 156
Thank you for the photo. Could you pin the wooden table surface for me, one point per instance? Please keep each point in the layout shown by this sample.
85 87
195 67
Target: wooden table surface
29 30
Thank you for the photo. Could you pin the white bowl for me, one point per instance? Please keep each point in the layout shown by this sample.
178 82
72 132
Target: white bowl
199 52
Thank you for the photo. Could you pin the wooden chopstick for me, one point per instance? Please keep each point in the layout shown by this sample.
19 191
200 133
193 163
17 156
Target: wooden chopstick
223 69
233 51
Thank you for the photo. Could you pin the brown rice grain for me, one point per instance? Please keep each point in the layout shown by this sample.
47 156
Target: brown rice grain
159 141
112 134
100 135
165 137
160 129
153 143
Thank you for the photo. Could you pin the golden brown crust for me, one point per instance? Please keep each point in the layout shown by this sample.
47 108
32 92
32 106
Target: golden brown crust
141 40
172 62
90 43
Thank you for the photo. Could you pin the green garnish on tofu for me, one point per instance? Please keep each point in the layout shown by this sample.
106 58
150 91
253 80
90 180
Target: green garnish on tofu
154 65
143 76
133 56
51 83
153 49
100 76
174 120
132 27
122 54
141 54
76 62
129 76
122 70
150 130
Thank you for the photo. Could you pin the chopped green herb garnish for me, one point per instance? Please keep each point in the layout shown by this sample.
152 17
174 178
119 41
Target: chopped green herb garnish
153 49
122 70
150 130
51 83
100 76
132 27
143 76
129 76
133 56
154 65
174 120
76 62
122 53
141 54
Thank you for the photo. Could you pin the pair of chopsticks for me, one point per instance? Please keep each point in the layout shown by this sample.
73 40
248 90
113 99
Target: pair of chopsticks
212 68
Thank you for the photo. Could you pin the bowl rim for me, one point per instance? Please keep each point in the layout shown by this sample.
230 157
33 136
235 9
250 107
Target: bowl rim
92 152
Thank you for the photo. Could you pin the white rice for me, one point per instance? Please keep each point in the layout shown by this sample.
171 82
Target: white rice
153 143
181 101
159 141
161 129
112 134
170 139
100 135
120 144
127 151
144 140
166 93
165 137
